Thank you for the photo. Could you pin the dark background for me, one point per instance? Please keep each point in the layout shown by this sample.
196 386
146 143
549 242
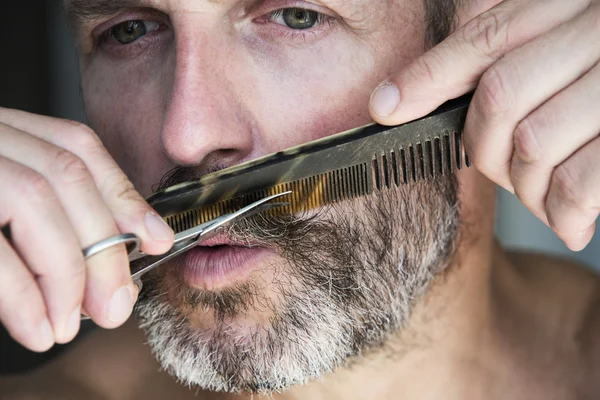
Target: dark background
26 75
24 51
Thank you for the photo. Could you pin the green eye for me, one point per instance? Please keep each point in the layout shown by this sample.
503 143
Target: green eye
130 31
300 18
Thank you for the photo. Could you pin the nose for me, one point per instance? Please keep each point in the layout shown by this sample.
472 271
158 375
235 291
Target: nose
206 124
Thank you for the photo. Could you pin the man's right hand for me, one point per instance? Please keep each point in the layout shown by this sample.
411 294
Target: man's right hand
61 192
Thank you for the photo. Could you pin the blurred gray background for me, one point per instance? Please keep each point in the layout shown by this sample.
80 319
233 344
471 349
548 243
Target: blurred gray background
39 74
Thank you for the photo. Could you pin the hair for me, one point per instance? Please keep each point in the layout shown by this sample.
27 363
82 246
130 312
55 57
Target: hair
440 18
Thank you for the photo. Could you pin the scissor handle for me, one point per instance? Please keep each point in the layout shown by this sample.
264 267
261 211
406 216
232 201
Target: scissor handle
129 239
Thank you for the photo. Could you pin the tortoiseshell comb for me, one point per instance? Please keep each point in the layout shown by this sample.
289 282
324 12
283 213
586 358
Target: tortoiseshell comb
332 169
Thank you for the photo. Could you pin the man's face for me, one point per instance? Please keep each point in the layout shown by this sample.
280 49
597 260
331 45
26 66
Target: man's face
200 85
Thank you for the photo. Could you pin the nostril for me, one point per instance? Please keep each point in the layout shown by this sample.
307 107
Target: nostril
228 152
225 158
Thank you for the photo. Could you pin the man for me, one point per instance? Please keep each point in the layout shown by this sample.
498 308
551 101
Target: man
403 294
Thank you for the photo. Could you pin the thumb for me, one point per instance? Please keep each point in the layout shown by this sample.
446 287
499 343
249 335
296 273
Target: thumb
455 66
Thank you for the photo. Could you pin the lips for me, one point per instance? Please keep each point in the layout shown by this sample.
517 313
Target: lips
220 262
221 240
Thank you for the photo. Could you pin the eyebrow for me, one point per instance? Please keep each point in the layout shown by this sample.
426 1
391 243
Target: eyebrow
80 11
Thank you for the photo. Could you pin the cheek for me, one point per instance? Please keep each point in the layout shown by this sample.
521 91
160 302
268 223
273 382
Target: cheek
325 90
125 106
307 94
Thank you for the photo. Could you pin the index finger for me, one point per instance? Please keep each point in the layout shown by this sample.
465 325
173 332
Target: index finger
131 212
455 66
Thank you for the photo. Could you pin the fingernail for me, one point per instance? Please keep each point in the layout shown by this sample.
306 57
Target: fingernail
46 333
158 228
72 325
138 285
121 304
385 100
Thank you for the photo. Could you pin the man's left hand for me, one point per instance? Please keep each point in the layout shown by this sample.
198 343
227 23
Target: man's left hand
534 122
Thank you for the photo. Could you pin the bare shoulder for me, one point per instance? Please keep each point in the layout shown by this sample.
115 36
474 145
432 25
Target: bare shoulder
569 290
107 365
565 297
559 282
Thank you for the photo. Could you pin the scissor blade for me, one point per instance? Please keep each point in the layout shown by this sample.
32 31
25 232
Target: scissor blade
194 233
190 238
180 237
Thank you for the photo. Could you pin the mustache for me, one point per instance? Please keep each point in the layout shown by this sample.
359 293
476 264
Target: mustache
269 229
275 230
179 175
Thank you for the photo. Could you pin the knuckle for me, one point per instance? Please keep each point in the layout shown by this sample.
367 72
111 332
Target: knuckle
69 167
82 136
35 187
123 189
494 98
487 34
426 67
565 184
527 145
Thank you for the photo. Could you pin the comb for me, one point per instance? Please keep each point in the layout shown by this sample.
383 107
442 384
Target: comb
329 170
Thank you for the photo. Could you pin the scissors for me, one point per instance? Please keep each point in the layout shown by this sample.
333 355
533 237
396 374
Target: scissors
141 263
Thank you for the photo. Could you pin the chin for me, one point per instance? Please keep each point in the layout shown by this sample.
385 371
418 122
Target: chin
233 287
252 329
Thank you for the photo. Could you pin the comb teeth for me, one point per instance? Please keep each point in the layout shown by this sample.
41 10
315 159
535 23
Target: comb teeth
437 157
312 192
413 162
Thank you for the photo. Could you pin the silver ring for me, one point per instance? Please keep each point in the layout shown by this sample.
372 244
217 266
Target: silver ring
126 238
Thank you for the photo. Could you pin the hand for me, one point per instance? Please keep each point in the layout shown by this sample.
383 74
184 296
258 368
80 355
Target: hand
534 121
61 192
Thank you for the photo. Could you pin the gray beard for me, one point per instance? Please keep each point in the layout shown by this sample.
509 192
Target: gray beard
352 274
